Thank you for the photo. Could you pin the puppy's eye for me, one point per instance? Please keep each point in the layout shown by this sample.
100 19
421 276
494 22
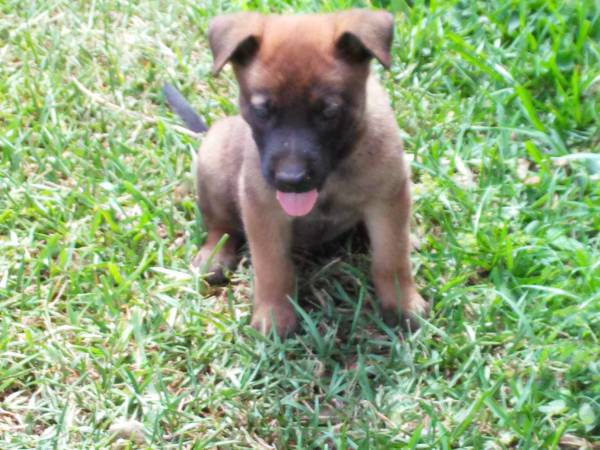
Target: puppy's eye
262 110
330 112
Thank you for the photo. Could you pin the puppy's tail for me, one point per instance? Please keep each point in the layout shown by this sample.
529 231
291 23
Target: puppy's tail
183 109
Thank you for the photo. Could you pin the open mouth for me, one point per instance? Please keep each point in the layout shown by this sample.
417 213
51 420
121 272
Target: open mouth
297 204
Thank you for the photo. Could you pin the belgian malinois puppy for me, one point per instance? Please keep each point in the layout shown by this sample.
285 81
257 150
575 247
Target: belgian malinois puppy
315 151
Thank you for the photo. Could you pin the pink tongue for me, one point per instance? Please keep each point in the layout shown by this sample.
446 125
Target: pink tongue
297 203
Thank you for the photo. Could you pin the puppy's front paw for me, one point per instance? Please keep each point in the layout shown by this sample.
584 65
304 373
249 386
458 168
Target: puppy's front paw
281 316
408 314
216 266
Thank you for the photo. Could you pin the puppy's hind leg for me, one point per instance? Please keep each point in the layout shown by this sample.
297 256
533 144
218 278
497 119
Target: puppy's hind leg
216 198
220 220
216 261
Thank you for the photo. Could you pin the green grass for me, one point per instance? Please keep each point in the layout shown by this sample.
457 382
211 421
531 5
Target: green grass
101 321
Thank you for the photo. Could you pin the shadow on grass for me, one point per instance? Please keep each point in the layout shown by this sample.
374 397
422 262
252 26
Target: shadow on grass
341 334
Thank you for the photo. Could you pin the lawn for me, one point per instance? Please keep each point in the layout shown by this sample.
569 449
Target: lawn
107 338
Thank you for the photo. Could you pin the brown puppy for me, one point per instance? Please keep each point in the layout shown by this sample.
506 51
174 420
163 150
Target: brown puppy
315 151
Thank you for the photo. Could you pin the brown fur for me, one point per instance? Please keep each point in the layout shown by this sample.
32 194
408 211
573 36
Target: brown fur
370 185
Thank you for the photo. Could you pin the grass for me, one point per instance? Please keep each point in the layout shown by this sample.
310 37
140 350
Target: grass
107 339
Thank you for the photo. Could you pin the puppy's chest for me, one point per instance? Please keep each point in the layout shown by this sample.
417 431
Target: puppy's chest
332 215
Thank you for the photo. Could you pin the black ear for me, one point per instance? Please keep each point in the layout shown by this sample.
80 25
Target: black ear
350 48
363 34
234 37
245 50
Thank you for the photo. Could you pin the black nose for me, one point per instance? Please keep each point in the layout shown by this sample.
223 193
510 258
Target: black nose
292 180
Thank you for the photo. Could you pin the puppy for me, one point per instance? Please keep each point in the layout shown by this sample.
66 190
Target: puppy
315 151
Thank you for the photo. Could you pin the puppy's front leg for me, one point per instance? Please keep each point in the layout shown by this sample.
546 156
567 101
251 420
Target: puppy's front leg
388 225
270 238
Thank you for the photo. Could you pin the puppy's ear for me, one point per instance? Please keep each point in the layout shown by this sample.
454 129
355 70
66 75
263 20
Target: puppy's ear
363 34
235 38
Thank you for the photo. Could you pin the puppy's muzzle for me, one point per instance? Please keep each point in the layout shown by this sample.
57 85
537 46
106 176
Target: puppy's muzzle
292 178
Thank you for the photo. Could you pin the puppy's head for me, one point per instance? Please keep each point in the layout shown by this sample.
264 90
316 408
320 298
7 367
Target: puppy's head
302 89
